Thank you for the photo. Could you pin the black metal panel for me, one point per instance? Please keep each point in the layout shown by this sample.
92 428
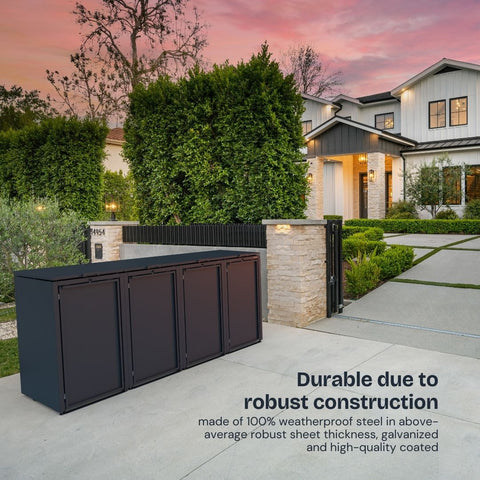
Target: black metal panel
38 338
121 266
334 266
232 235
91 341
243 303
203 320
153 326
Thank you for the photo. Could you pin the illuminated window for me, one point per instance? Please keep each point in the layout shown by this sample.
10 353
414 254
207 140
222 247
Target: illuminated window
473 183
453 179
306 126
437 112
458 111
384 121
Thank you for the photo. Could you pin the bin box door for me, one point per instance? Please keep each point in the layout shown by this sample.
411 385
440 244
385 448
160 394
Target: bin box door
202 313
244 322
153 326
91 341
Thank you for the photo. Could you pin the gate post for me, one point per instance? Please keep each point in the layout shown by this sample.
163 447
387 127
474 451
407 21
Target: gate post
296 271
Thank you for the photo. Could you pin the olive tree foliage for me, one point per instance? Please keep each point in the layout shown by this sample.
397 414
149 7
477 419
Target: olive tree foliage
21 108
218 147
127 43
431 186
36 234
310 72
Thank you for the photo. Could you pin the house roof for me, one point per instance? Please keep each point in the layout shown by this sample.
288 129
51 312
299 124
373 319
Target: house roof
115 136
377 97
444 145
445 64
307 96
341 120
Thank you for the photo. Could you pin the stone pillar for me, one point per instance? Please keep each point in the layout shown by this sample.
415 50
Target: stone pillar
296 271
105 238
315 197
376 185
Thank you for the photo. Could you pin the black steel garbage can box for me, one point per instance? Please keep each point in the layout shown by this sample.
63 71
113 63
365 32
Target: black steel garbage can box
87 332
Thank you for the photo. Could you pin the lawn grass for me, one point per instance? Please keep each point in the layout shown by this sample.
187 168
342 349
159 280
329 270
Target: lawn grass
8 314
9 357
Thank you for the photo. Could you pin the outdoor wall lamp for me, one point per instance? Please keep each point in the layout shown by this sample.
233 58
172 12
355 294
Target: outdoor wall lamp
372 175
285 229
310 178
111 208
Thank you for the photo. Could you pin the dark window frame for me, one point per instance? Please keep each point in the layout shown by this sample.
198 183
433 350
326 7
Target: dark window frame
384 115
305 125
474 184
444 101
457 196
466 111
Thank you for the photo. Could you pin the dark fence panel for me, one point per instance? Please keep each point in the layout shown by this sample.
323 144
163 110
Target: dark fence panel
218 235
85 246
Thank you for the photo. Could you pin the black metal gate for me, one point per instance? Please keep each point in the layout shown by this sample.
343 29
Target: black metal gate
334 267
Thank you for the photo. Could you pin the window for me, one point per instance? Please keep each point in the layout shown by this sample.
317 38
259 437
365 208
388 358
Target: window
473 183
452 179
458 111
384 121
306 126
437 112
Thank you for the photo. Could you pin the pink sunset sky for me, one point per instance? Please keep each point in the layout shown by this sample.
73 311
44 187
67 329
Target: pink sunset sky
376 44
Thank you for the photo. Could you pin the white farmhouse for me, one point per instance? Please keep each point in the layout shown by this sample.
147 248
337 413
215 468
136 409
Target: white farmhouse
358 148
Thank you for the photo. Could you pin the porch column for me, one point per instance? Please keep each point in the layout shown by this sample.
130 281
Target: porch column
376 185
315 197
296 271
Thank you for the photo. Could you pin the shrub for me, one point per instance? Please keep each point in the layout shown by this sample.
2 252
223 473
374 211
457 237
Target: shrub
472 209
363 276
447 214
357 243
402 209
36 235
419 226
394 261
332 217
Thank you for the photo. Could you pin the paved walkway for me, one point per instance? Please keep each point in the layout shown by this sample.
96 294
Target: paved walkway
417 309
152 432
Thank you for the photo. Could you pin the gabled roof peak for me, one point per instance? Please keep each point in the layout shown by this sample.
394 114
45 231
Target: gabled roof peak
443 66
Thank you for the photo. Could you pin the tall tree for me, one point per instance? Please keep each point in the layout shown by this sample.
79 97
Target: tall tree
310 73
20 108
127 43
218 147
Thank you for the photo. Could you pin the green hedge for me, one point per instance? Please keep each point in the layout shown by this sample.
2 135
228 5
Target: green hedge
60 159
371 233
354 245
419 226
394 261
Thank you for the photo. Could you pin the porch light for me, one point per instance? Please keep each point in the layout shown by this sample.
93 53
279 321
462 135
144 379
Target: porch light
111 208
310 178
372 175
362 159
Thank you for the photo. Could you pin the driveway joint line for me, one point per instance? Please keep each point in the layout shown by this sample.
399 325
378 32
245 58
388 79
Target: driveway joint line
414 327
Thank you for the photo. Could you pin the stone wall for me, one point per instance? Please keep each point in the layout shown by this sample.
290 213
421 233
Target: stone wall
296 271
106 238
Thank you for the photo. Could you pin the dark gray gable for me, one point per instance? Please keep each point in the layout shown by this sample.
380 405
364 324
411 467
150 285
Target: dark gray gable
344 139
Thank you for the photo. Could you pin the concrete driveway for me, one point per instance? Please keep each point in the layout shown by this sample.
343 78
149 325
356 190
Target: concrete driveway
153 432
423 312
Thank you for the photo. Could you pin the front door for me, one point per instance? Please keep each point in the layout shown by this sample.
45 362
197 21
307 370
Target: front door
363 195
